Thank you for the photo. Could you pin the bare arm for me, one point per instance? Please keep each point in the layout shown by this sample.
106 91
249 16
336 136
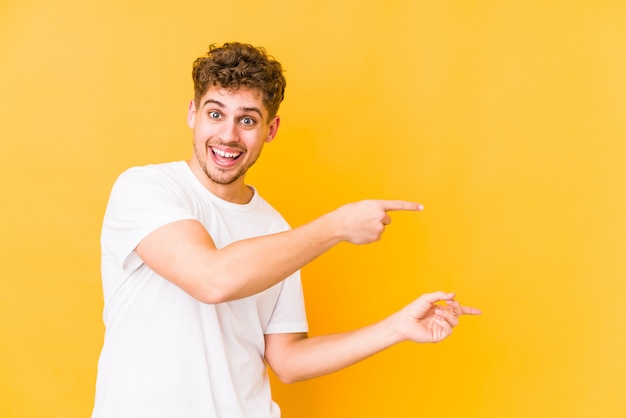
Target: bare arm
295 357
184 253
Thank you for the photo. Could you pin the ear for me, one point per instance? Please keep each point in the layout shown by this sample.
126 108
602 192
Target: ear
273 128
191 114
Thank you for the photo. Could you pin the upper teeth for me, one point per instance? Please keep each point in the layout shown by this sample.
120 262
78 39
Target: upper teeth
226 154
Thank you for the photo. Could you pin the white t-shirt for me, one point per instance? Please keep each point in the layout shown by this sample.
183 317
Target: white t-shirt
165 354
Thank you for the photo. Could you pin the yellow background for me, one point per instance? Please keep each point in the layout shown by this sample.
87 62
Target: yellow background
506 119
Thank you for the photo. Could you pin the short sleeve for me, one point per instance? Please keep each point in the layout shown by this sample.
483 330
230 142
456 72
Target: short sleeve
289 315
142 200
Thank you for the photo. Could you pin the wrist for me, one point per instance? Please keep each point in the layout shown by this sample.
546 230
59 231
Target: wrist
330 228
394 329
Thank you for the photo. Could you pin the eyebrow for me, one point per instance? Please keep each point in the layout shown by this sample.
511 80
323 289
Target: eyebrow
245 109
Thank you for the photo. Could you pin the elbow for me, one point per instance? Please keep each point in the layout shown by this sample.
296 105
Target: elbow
289 373
217 294
212 292
289 378
289 381
211 297
287 357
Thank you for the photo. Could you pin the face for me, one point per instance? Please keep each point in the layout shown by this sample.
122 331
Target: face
229 131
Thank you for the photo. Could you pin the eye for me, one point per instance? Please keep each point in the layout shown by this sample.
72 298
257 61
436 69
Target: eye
214 114
247 121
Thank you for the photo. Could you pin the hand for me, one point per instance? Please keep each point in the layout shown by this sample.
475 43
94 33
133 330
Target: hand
364 222
424 320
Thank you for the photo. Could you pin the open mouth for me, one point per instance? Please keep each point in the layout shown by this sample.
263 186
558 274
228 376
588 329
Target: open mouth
227 155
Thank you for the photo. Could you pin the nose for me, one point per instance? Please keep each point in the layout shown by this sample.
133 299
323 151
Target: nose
228 131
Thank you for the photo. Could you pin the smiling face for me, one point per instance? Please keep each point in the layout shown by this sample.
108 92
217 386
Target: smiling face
229 130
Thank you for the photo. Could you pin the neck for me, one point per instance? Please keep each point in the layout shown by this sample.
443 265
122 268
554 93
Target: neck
236 192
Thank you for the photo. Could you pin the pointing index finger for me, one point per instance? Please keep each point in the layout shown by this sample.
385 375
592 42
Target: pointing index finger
394 205
468 310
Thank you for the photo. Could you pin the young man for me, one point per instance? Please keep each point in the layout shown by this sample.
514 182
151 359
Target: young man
201 275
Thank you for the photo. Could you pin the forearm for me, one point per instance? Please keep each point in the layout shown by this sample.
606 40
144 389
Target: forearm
184 253
295 357
307 358
247 267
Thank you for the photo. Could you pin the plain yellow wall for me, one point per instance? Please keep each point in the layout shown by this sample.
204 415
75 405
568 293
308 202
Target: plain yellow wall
506 119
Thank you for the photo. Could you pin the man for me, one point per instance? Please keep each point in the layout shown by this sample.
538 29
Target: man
201 276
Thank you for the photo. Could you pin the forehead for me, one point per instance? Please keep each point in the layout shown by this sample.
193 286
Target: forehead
241 98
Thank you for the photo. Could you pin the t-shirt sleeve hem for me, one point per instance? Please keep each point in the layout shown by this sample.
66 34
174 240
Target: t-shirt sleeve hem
287 328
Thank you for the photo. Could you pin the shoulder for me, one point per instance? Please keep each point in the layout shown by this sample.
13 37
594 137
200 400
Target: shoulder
147 185
136 179
153 171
